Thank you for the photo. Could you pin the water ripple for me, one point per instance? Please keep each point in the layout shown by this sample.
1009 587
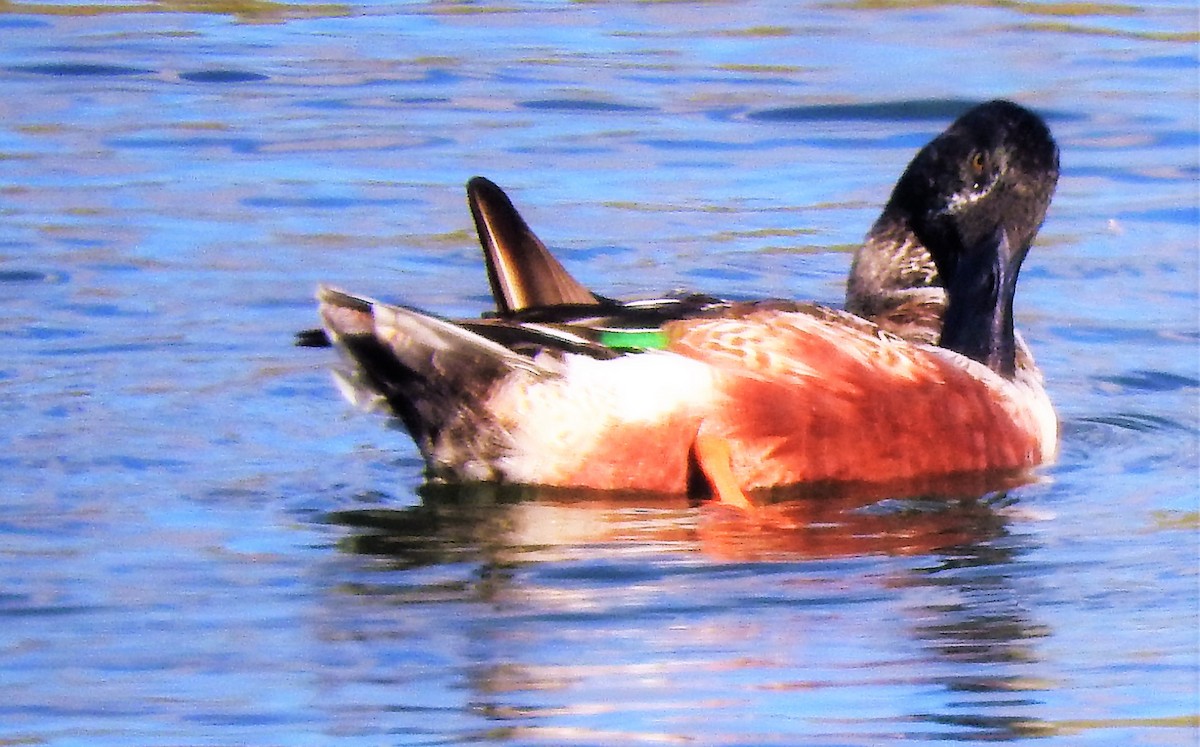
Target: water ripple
1151 381
223 76
582 106
908 110
234 144
50 277
79 69
1136 421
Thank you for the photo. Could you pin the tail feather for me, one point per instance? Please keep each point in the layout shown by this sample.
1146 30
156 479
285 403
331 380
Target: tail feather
434 375
524 276
440 348
522 271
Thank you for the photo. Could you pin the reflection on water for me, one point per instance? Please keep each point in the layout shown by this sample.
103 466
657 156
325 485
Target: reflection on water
797 524
547 563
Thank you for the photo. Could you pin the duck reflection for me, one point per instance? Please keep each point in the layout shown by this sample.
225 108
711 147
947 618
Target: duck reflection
705 612
509 524
980 631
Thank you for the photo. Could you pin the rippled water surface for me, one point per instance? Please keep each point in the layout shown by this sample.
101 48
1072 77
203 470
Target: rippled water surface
203 545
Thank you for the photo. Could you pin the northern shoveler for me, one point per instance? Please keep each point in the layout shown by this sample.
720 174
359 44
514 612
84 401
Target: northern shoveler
561 387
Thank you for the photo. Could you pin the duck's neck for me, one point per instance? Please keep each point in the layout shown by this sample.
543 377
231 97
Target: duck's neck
979 313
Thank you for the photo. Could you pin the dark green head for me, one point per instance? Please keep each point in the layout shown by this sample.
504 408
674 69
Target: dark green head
975 197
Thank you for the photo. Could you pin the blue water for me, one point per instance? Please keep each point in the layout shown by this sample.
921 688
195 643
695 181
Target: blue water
203 545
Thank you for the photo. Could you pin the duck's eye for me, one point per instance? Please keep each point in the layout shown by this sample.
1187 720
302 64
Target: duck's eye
977 163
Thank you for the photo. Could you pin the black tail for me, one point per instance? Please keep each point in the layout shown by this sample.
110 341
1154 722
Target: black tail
433 374
522 271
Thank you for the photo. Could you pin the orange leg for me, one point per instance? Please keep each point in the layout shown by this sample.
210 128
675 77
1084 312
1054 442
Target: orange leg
713 457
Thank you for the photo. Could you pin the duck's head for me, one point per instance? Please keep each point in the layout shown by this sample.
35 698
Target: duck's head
975 197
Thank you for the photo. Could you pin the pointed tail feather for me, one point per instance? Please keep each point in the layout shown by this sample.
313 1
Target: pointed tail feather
430 347
522 271
433 374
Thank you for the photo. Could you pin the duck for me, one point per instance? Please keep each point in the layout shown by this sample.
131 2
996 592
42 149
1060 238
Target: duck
922 375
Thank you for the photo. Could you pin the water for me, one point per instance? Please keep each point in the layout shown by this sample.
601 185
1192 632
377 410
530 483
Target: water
203 545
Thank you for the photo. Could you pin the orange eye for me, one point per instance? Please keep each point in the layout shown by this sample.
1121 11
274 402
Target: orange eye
977 162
